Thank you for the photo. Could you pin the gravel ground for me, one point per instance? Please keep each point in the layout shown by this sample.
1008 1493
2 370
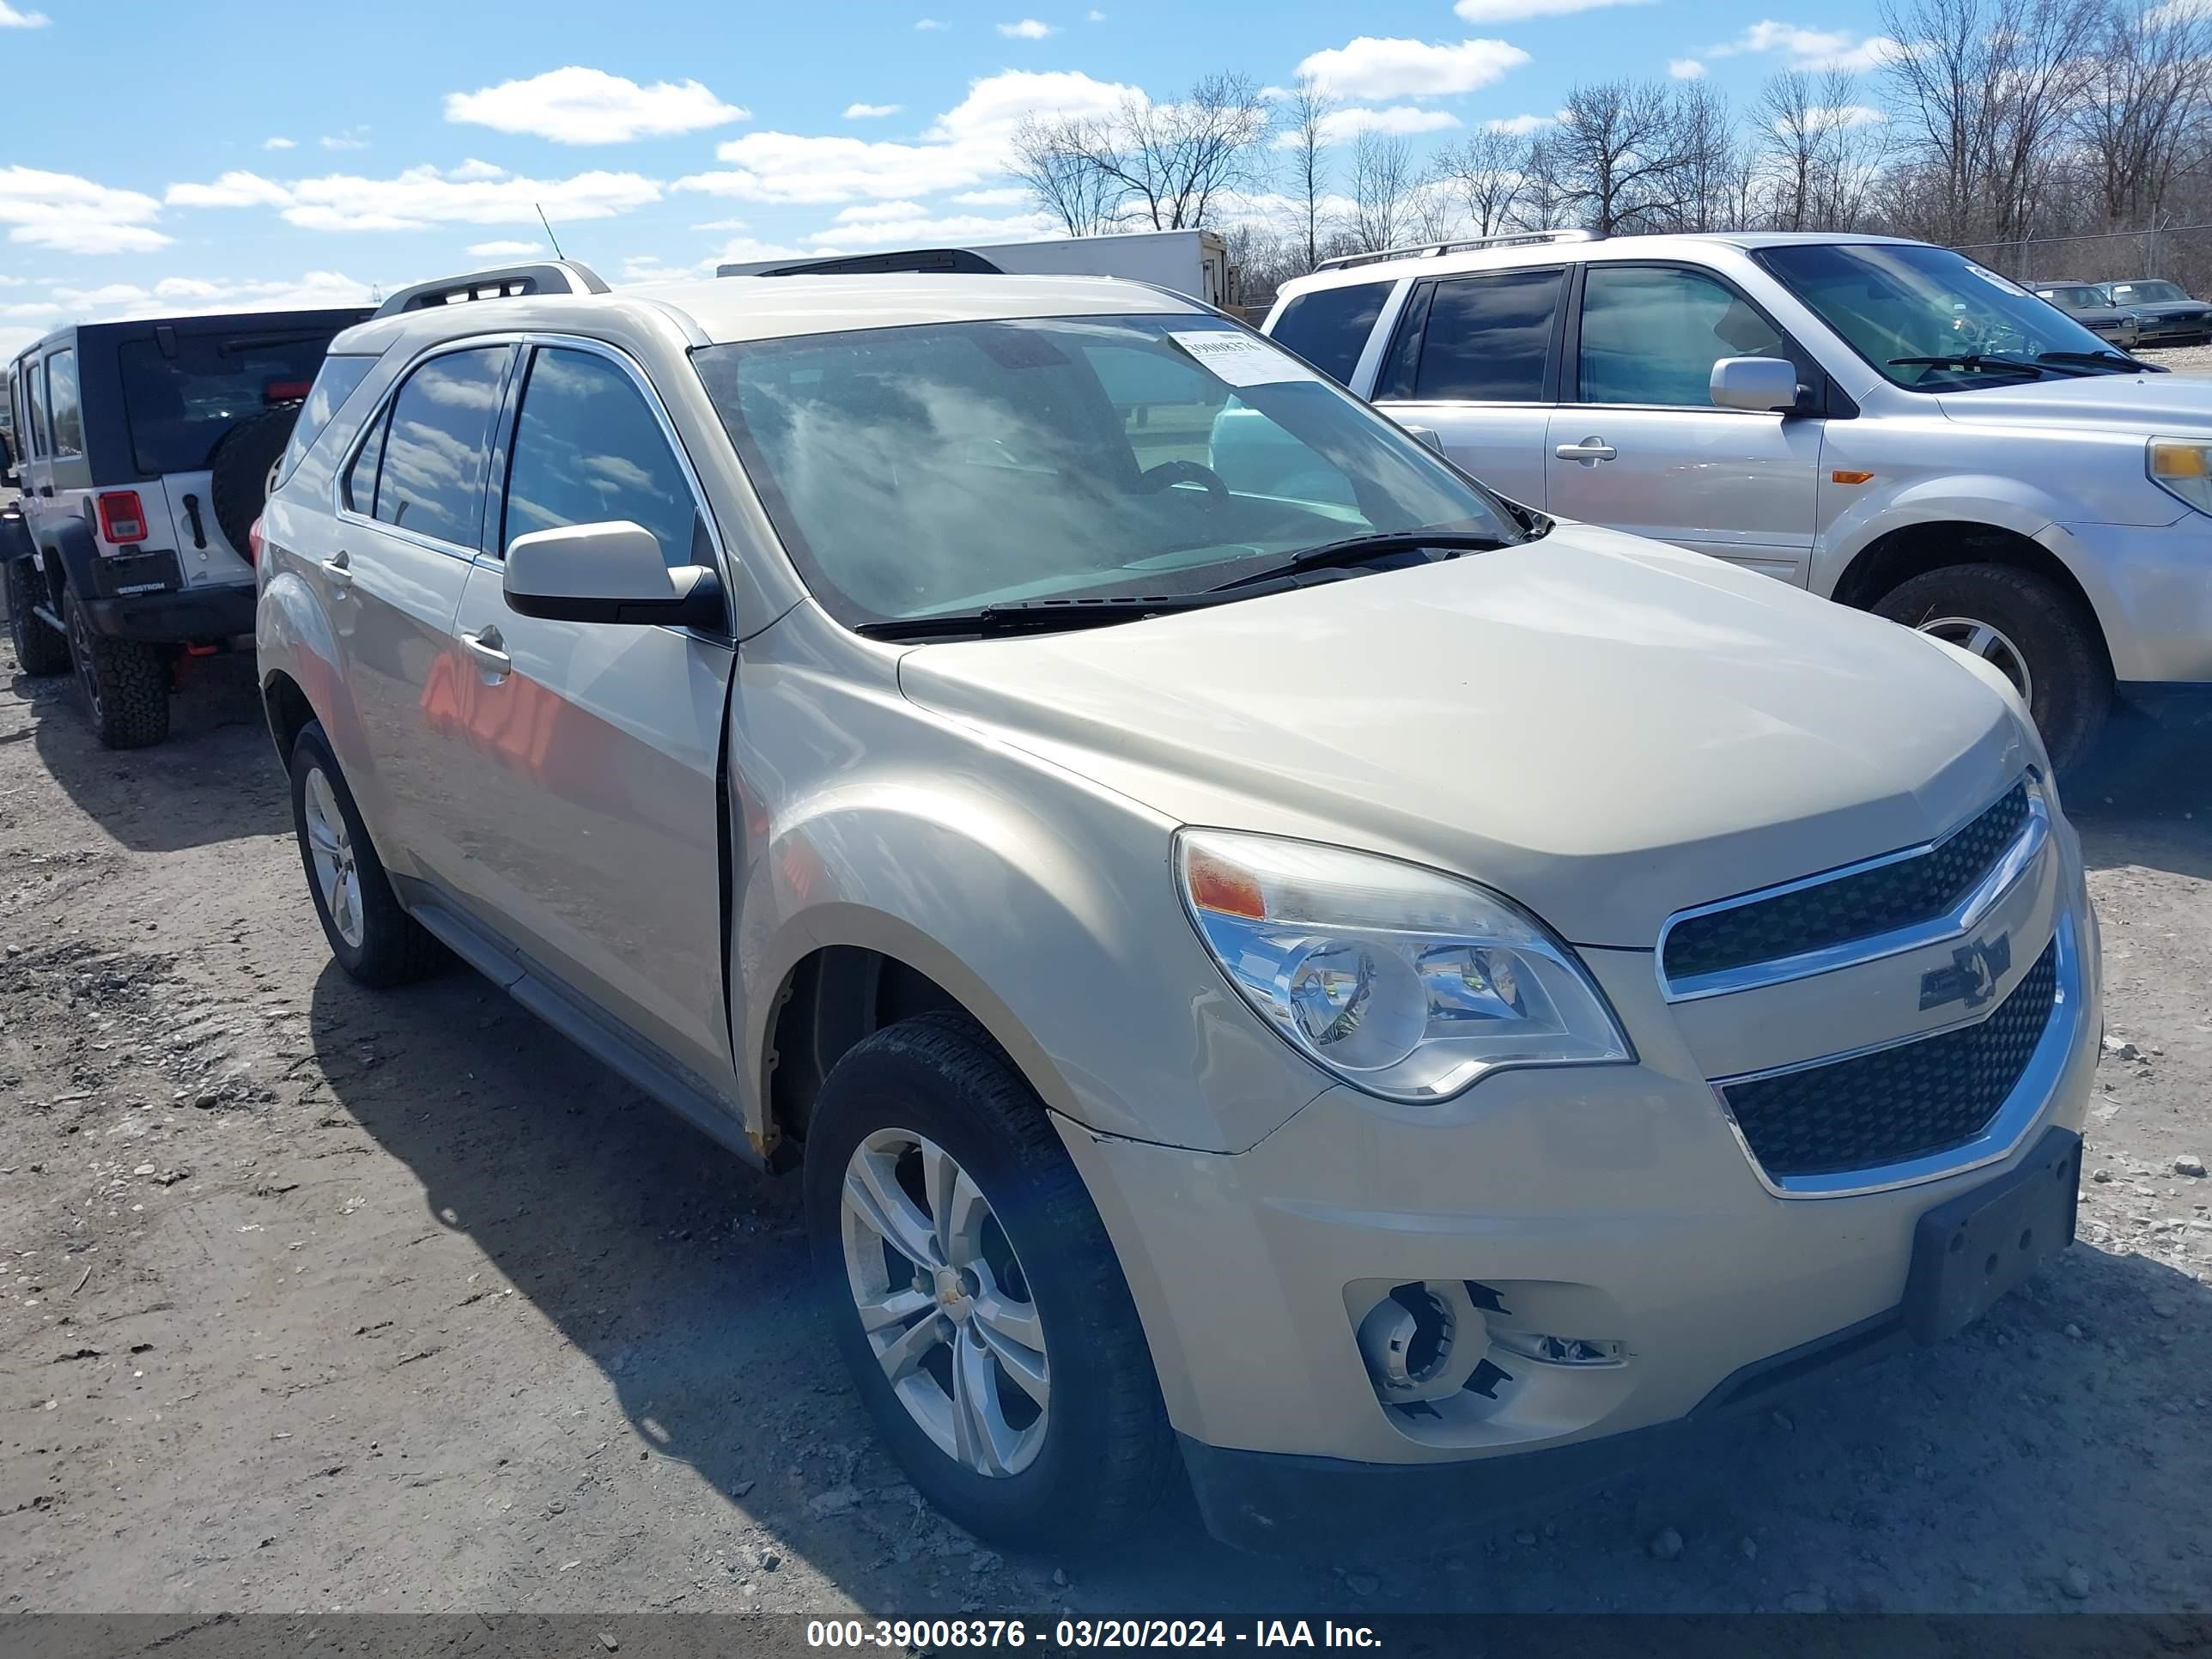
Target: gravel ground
318 1299
2182 360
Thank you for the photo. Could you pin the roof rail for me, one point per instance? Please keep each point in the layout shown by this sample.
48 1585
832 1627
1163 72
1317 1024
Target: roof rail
1430 250
507 283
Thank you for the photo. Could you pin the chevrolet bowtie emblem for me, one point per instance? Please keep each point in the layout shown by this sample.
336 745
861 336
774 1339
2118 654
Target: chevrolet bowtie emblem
1972 976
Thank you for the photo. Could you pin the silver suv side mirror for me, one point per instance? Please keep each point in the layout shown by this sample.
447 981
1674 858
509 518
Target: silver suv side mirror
1764 384
608 573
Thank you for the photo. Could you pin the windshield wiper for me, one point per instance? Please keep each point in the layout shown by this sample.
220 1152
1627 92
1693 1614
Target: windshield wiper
1358 550
2116 363
1975 360
1035 617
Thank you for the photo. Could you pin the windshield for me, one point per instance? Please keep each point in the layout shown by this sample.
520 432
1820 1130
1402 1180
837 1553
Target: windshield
941 468
179 402
2080 297
2148 293
1891 301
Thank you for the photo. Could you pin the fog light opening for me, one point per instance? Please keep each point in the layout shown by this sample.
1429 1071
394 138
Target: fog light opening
1549 1350
1406 1340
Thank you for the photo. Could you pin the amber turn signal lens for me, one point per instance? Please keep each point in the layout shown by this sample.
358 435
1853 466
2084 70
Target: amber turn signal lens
1842 475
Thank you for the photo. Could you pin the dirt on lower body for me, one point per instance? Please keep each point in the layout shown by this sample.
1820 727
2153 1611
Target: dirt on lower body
312 1298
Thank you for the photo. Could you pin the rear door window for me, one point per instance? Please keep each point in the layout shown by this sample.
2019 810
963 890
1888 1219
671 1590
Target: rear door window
436 447
333 385
183 391
67 406
1328 326
34 389
1488 338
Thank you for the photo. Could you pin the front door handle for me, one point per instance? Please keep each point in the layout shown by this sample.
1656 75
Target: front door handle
1589 452
484 649
339 568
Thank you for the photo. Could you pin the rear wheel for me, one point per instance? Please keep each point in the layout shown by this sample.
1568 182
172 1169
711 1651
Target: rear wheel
2031 630
374 941
125 683
975 1294
39 649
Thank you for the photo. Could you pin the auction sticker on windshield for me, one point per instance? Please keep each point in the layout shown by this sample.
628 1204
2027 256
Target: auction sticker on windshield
1241 359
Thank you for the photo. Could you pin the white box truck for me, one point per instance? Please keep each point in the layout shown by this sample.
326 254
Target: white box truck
1192 262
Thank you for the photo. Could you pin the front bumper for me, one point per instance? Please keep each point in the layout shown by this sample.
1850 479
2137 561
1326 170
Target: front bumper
1612 1205
2151 588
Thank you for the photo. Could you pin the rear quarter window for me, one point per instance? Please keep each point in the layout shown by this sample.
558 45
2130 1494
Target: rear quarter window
335 384
1328 326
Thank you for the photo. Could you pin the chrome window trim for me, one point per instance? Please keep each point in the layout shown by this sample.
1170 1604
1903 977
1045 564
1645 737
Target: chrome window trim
1997 1139
2012 864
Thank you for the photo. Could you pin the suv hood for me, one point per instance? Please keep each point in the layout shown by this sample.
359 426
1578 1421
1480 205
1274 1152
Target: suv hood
2138 403
1604 728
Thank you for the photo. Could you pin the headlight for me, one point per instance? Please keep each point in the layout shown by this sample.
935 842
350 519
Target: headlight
1406 983
2183 468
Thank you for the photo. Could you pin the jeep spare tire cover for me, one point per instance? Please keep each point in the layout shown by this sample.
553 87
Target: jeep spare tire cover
244 462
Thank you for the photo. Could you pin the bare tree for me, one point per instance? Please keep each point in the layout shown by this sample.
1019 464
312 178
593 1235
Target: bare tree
1305 117
1433 213
1057 159
1618 156
1984 90
1711 159
1541 203
1486 170
1820 151
1382 180
2142 115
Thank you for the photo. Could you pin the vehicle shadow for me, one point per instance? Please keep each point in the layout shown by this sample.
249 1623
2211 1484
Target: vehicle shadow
2144 796
215 780
681 1275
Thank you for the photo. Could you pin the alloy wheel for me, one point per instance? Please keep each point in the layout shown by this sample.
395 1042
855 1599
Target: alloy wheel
944 1302
87 675
1989 644
330 845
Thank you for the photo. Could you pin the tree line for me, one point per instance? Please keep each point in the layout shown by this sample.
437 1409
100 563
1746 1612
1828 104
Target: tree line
1996 125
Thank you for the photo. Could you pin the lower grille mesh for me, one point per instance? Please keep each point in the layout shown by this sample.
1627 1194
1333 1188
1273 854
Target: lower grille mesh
1896 1104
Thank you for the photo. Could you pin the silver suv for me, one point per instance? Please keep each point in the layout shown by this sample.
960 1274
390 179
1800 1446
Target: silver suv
1882 422
1353 992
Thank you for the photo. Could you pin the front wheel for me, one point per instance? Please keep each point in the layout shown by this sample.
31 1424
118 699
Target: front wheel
2031 630
975 1294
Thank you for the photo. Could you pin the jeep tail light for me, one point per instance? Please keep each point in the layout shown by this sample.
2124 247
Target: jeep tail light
122 517
253 543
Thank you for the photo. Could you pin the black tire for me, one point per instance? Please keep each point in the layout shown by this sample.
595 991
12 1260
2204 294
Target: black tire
391 947
241 464
125 683
39 649
1106 1457
2070 679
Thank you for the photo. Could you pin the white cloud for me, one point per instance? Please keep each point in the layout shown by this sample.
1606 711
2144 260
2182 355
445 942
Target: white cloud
1094 15
505 250
13 340
175 295
1373 68
579 106
870 112
30 311
71 214
920 23
1028 29
1340 125
12 19
1514 11
724 224
1521 125
279 143
350 139
421 196
473 169
915 225
1001 195
1686 69
966 146
1811 49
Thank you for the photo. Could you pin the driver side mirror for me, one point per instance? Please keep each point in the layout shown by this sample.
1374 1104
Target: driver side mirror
609 573
1766 385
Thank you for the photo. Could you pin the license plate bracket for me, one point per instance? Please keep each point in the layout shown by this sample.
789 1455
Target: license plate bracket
1975 1248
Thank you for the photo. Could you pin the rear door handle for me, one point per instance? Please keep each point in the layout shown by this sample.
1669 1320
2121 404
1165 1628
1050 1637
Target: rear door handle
484 649
1589 452
339 568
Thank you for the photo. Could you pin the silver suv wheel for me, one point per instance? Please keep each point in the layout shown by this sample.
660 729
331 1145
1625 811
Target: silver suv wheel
944 1304
330 845
1989 644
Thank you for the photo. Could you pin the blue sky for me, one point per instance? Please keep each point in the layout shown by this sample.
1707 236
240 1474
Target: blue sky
224 154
